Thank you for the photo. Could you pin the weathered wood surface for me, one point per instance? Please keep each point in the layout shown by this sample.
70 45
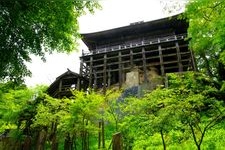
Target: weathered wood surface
117 143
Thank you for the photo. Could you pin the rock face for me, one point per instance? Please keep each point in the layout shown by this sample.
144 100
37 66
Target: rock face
136 78
152 73
132 78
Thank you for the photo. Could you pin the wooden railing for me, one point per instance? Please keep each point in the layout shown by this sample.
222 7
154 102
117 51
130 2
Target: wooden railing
137 44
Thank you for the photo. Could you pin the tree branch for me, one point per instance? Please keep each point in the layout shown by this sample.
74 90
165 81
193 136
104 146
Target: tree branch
193 134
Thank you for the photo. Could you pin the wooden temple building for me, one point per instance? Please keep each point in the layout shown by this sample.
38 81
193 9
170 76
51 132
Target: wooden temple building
158 45
144 48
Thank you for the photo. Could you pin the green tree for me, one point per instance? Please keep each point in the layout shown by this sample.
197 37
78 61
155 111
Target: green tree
206 34
189 107
49 113
17 108
112 107
82 119
155 113
197 108
13 101
35 27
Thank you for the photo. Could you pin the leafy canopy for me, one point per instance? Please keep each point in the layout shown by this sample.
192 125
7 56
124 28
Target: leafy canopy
206 34
190 106
35 27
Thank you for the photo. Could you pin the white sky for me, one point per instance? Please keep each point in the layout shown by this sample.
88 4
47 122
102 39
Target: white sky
114 13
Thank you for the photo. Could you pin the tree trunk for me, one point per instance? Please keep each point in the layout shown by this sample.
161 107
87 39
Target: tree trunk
99 134
54 142
27 143
163 140
41 140
54 136
74 145
68 143
103 134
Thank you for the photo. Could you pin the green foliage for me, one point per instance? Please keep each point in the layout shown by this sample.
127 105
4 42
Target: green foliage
206 34
188 114
112 108
84 108
185 110
16 107
35 27
12 102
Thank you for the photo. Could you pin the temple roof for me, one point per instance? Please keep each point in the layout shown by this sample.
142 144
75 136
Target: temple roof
90 39
69 75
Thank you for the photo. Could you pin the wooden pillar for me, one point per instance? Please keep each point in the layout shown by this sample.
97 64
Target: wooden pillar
81 74
131 58
109 78
179 58
161 61
120 69
104 73
91 72
123 73
95 80
77 84
144 65
193 60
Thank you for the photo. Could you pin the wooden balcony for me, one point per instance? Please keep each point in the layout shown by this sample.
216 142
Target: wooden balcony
137 44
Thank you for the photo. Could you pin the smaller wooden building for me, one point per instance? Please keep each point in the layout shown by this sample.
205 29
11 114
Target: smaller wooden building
66 82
